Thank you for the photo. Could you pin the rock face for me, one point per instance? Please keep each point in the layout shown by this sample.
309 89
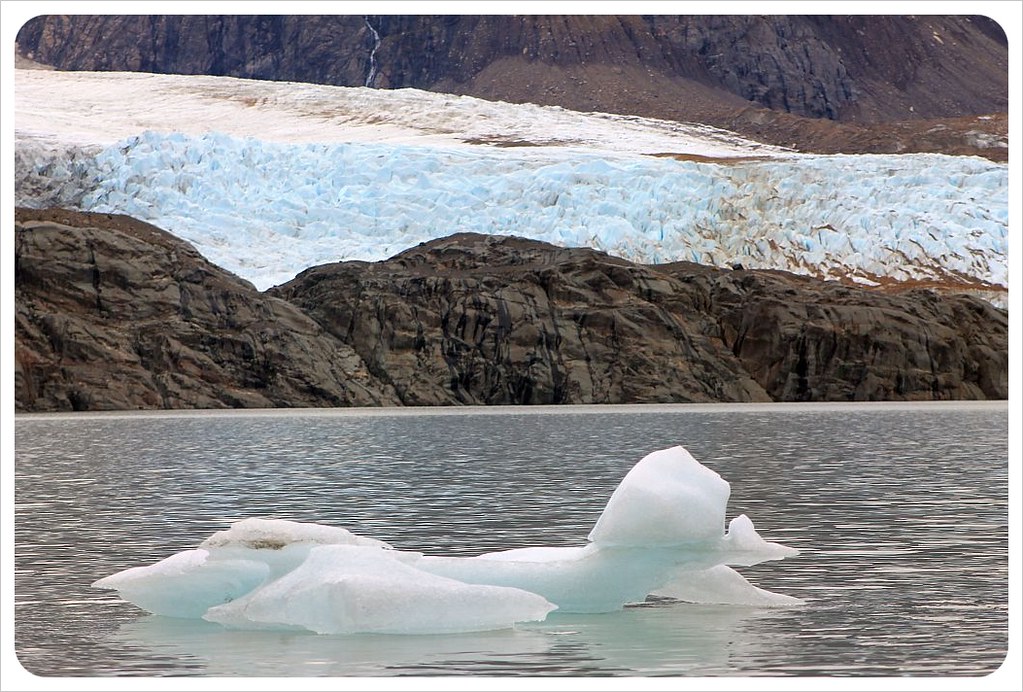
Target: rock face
480 320
739 72
113 313
808 340
489 320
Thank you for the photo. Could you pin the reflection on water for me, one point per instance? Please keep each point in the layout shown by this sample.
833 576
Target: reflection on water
692 640
901 513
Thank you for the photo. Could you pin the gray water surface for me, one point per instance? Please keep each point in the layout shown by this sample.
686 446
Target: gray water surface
901 513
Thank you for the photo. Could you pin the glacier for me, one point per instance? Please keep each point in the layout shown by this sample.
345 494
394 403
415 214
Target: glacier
662 533
267 180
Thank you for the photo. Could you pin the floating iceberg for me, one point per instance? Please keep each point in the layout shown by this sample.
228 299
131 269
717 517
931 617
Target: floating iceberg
662 533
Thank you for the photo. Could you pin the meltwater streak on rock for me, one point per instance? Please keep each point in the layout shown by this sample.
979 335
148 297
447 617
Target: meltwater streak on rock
372 54
662 531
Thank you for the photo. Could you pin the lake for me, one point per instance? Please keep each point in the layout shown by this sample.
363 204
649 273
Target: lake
900 510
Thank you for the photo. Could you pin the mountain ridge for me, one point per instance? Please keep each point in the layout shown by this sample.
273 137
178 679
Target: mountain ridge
827 84
116 314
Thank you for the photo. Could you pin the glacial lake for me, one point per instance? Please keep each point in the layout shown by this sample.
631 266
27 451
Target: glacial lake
900 510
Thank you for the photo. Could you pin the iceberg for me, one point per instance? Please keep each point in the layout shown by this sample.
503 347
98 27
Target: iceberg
662 533
343 589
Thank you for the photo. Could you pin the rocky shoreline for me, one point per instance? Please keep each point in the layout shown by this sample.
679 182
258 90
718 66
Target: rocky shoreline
115 314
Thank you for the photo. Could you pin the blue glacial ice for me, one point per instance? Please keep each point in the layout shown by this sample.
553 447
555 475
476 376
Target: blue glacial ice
268 210
662 533
267 179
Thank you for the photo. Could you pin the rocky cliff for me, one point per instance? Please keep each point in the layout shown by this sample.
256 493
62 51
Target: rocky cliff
112 313
115 314
821 83
491 320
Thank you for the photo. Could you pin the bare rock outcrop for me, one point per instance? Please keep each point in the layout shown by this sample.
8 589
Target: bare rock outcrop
501 320
808 340
490 320
113 313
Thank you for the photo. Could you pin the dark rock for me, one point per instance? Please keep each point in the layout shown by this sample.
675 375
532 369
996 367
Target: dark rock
113 313
500 320
808 340
487 320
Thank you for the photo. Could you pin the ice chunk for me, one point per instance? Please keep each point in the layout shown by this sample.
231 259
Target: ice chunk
275 534
721 585
186 584
744 545
662 532
587 579
279 544
668 498
353 589
665 519
226 566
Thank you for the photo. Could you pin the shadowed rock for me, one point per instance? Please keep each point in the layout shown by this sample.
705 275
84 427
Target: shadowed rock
808 340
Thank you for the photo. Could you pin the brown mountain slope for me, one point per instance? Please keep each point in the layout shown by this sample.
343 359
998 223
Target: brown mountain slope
822 83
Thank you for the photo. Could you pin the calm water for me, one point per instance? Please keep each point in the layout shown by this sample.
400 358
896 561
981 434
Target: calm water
901 512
